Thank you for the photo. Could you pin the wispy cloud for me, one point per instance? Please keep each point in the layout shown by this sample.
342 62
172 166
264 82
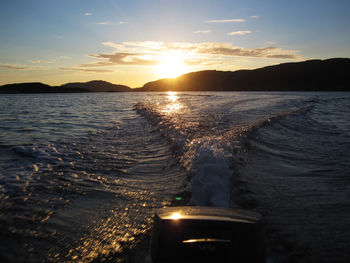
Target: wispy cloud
103 23
226 49
88 14
22 67
235 33
202 32
149 53
123 59
112 23
40 61
87 70
255 17
12 66
240 20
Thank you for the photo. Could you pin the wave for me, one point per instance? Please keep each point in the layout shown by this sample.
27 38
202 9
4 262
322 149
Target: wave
48 152
204 157
95 191
269 121
207 148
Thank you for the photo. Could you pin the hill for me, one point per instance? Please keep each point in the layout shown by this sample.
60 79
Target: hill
97 86
312 75
37 87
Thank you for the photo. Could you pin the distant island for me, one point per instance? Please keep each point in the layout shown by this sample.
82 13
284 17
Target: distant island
97 86
74 87
311 75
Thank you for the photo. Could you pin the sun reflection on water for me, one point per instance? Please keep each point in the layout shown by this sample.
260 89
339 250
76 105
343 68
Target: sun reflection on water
173 106
172 96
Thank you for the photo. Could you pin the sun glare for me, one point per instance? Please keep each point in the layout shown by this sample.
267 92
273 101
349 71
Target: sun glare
172 96
172 66
173 106
175 216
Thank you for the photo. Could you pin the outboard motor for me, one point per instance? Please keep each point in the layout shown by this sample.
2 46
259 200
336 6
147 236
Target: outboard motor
206 234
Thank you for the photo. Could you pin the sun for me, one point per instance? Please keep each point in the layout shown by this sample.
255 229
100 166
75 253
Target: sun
172 66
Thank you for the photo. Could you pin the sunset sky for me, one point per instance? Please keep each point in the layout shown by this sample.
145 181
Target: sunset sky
133 42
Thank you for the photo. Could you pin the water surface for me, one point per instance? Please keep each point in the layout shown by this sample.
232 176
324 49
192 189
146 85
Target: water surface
82 174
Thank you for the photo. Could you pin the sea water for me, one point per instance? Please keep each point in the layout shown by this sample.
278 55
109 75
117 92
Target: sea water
82 174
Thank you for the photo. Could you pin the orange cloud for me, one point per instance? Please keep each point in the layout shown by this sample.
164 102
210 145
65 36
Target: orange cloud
149 53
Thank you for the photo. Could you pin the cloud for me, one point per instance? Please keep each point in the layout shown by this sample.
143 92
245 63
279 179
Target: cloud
137 46
226 49
22 67
149 53
202 62
87 70
122 22
202 32
235 33
40 61
88 14
255 17
122 59
240 20
103 23
16 67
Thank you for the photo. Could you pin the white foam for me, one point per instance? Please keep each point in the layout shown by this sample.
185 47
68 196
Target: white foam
208 162
206 158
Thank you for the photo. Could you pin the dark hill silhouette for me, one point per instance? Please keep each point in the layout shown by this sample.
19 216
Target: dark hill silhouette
37 87
312 75
97 86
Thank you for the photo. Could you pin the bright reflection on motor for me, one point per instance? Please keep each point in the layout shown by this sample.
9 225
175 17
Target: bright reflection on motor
175 216
173 106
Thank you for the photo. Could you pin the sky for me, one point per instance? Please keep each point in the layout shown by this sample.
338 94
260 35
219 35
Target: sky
133 42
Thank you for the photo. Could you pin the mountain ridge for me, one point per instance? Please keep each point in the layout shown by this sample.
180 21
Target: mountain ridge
310 75
71 87
97 86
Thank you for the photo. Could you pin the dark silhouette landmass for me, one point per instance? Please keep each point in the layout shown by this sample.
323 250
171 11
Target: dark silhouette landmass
97 86
34 87
312 75
77 87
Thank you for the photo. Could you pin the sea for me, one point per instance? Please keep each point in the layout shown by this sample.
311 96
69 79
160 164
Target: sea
81 175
